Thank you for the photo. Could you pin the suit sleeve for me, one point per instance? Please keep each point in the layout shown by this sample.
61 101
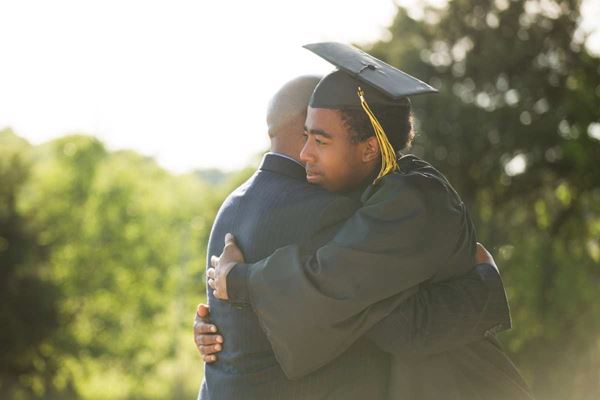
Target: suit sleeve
313 304
445 315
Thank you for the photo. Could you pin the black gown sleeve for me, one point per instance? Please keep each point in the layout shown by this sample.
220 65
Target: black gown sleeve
445 315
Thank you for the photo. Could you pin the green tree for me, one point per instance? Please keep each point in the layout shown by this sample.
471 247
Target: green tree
104 260
29 314
516 128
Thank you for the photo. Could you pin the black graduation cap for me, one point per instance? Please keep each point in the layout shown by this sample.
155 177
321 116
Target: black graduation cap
362 81
381 83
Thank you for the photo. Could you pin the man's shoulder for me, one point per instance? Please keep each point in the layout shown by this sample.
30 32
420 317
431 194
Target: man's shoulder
285 188
240 190
285 198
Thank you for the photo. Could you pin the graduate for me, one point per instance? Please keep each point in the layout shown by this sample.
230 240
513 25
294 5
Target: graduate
413 229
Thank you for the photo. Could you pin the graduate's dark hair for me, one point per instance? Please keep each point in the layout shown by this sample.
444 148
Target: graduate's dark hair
396 120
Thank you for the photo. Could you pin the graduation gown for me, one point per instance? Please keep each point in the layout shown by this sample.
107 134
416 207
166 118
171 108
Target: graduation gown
313 303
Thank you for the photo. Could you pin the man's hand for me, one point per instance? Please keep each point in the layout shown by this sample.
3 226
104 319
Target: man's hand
217 275
205 337
482 256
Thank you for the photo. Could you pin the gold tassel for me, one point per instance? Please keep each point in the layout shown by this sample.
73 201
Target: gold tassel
389 161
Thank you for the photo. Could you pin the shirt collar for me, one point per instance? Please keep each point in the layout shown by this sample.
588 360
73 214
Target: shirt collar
286 156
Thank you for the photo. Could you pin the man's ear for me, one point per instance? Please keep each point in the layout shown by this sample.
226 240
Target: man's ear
370 150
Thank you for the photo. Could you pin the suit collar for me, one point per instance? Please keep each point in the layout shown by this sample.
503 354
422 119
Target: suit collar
282 165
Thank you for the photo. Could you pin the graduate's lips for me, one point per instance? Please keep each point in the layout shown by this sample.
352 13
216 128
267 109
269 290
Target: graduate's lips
312 176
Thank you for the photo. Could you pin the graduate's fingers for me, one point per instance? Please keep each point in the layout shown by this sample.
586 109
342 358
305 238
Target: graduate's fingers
214 261
230 248
211 283
219 296
231 251
229 239
211 273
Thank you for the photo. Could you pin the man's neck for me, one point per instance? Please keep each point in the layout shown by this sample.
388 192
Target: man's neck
280 154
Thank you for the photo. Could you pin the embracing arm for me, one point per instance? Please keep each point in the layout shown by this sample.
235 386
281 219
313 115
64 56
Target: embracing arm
439 317
445 315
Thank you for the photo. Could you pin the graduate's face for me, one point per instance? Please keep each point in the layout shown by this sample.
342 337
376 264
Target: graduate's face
332 160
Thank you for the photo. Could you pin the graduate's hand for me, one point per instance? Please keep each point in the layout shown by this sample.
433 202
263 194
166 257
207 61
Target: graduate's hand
217 275
206 338
482 256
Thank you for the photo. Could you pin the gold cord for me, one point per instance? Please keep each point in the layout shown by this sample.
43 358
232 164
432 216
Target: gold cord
389 161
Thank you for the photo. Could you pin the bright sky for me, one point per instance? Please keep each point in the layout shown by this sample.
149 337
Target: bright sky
185 81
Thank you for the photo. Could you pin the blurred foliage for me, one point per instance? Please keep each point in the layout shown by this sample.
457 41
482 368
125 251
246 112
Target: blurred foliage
516 127
101 255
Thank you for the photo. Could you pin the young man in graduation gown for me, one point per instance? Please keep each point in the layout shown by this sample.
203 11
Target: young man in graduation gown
277 206
314 301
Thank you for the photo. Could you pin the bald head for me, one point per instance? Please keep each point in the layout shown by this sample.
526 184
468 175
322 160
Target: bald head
286 114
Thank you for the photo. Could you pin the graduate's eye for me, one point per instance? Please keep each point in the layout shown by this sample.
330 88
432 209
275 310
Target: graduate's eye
319 142
305 136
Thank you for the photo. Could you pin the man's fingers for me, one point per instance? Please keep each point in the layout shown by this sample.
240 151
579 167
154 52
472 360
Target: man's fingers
203 327
211 283
214 261
212 349
202 310
208 340
209 359
482 255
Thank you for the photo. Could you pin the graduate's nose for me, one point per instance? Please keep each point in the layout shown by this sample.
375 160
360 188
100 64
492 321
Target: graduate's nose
307 153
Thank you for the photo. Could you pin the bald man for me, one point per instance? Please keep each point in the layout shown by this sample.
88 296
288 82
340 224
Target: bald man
276 207
273 208
286 113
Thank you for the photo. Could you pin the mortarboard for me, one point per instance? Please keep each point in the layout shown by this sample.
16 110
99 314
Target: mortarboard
381 82
360 80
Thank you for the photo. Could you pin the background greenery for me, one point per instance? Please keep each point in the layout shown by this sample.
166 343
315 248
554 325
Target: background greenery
102 253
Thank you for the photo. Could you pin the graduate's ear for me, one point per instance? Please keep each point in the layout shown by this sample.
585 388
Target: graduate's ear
370 150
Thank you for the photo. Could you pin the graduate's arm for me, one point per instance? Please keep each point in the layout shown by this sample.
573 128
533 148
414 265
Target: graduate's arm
445 315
